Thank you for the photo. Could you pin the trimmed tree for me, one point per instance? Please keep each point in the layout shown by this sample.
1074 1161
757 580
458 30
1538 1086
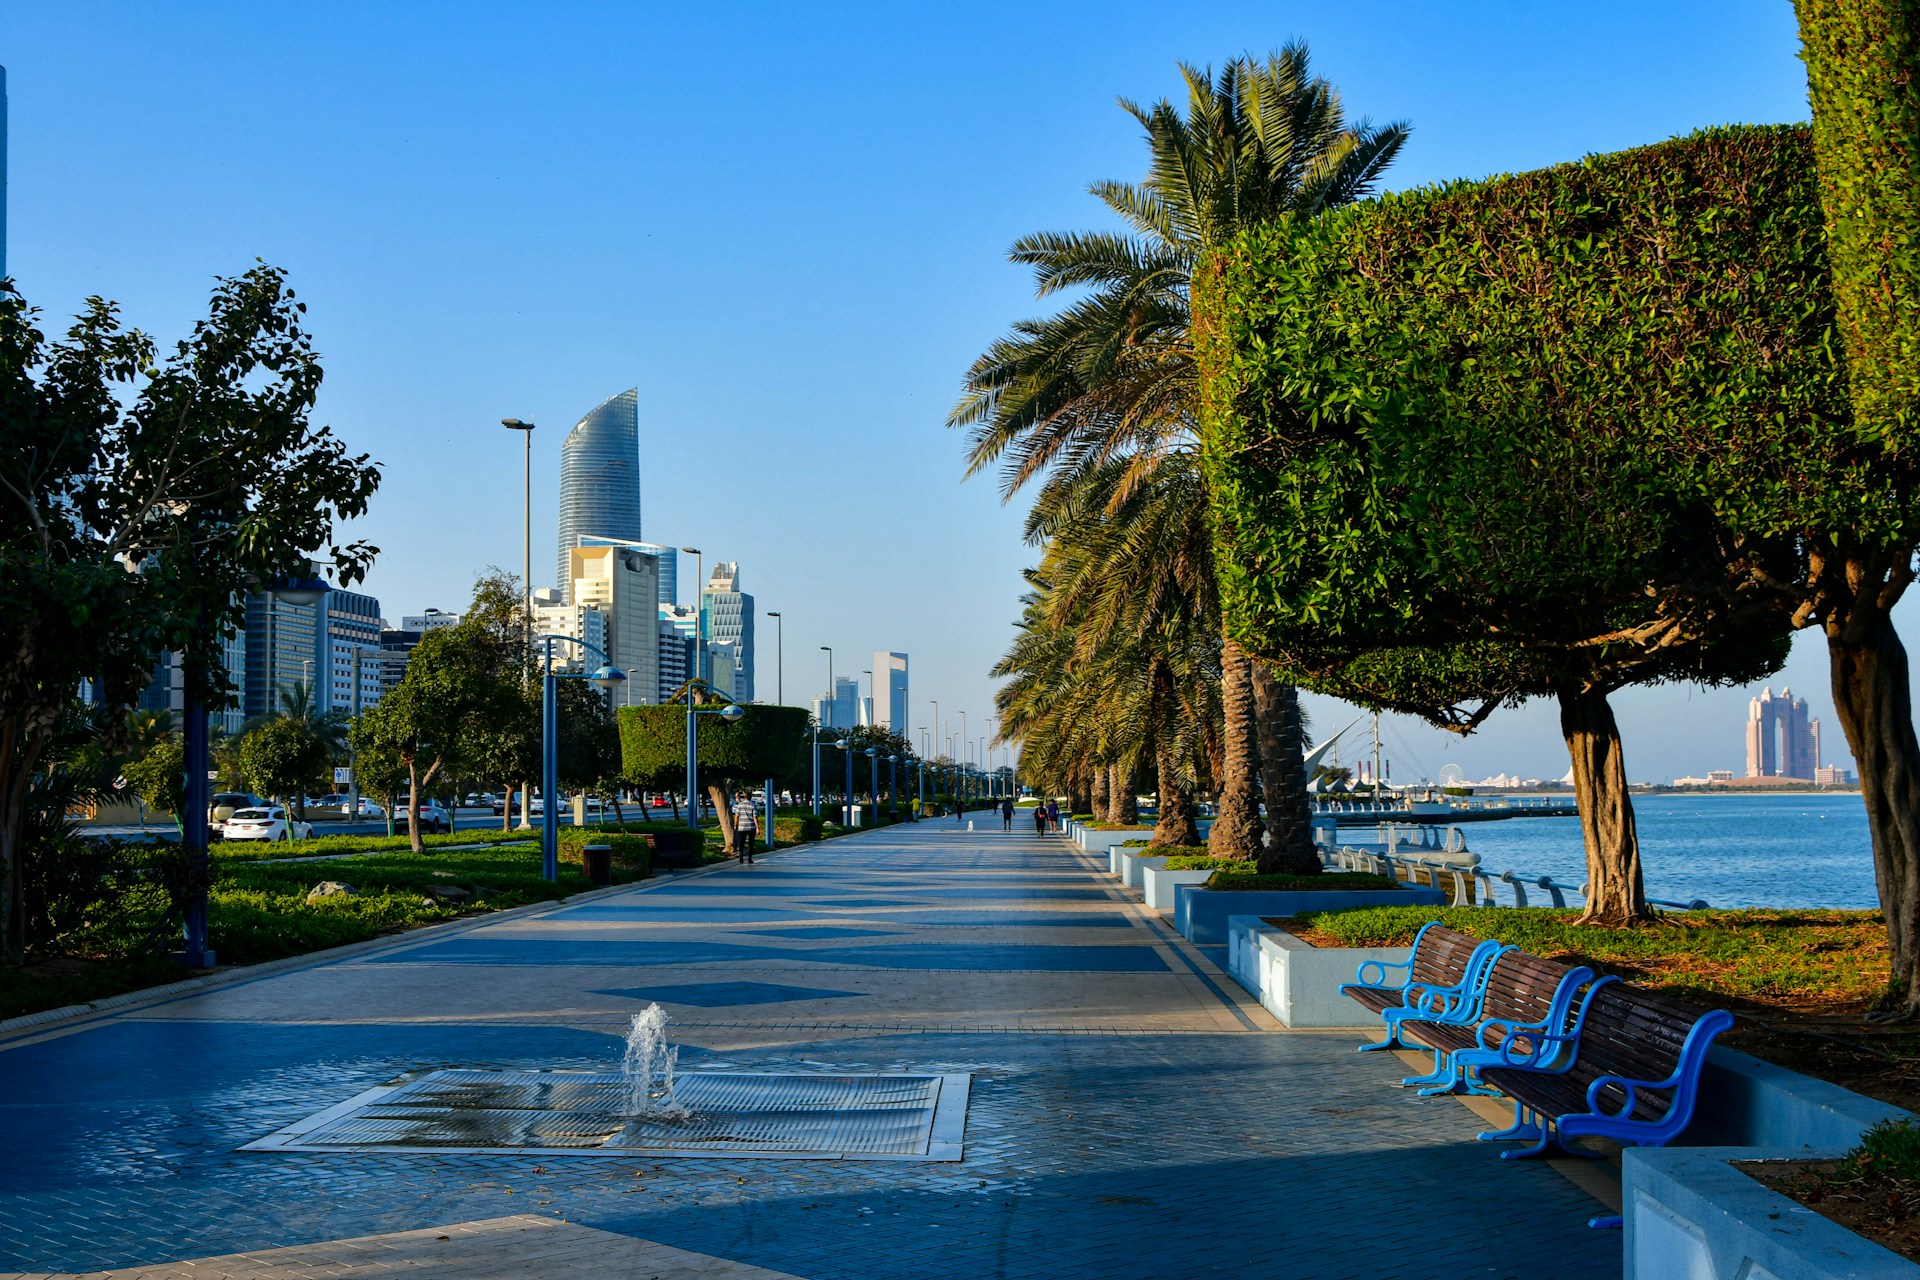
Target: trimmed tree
766 742
282 758
1531 436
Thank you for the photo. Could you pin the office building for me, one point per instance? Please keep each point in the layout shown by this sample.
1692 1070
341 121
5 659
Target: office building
281 648
1781 741
431 620
890 692
622 583
396 650
553 616
669 560
600 480
167 691
676 654
841 710
1832 775
346 648
729 624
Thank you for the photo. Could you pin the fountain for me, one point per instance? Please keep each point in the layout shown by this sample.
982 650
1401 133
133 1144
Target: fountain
649 1058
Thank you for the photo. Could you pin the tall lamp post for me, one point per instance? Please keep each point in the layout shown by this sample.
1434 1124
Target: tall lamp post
730 714
607 677
893 784
526 574
779 658
873 778
699 618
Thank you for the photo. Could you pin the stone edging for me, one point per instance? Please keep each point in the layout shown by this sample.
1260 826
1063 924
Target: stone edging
347 951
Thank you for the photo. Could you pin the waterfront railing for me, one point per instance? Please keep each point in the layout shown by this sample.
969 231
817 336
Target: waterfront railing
1458 872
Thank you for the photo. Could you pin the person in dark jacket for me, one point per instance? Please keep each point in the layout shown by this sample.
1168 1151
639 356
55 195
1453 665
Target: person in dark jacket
1006 814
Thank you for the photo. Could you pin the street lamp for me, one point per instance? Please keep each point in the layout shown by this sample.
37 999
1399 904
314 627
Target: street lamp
526 525
699 618
730 714
893 784
606 676
873 784
831 693
779 658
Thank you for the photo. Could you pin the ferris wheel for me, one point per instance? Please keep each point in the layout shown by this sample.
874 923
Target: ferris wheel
1452 775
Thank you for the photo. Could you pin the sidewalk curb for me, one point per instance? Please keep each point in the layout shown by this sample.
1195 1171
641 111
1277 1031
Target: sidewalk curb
46 1018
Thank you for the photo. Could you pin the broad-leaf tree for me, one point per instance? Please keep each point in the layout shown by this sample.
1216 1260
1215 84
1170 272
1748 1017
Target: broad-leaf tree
143 497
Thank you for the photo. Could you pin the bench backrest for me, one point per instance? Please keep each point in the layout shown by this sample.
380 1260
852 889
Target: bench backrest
1442 956
1523 988
1642 1035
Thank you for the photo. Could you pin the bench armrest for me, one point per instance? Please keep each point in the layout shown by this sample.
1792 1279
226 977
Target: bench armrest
1380 968
1423 997
1632 1088
1538 1039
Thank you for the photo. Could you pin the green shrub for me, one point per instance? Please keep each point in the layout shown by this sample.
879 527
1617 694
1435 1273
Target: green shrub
803 828
1239 882
1890 1148
629 850
1119 826
1196 858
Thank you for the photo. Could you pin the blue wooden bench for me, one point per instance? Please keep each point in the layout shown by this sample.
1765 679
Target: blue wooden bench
1526 1001
1443 979
1629 1071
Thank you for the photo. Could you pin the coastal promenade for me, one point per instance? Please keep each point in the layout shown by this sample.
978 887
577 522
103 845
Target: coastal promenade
1132 1113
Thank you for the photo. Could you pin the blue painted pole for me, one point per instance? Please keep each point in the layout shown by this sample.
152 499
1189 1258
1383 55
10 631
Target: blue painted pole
549 772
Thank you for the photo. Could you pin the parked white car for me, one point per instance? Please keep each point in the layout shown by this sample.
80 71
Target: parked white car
264 824
433 817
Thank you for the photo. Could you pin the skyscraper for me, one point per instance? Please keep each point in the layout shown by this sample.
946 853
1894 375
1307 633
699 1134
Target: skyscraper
730 626
1781 741
347 624
600 478
623 583
890 691
841 709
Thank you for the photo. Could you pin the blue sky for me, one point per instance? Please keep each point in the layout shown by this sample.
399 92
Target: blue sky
785 224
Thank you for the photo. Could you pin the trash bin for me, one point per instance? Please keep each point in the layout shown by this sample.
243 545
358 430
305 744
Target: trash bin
599 861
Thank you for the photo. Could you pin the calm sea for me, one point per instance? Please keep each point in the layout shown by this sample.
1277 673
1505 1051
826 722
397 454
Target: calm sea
1732 850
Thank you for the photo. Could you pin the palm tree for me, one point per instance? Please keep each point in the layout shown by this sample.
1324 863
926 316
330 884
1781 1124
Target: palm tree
1110 381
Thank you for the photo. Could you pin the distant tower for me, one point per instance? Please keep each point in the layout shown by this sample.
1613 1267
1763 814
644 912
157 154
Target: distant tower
600 478
1781 741
1760 735
890 691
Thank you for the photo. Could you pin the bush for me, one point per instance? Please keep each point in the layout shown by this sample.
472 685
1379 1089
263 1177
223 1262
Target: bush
1187 857
801 828
1119 826
631 851
1247 881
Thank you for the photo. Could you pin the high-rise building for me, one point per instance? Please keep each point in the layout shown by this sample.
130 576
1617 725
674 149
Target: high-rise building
623 583
841 709
281 649
1781 741
890 691
553 616
600 479
346 644
396 650
676 652
669 558
729 620
167 691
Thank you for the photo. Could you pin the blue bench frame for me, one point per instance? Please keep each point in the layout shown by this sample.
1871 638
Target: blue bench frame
1453 1071
1424 1001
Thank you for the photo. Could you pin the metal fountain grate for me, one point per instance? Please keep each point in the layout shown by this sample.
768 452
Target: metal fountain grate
734 1114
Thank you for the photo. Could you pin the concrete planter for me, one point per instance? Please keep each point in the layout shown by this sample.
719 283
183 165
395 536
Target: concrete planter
1158 884
1119 851
1689 1213
1134 862
1201 914
1297 983
1100 841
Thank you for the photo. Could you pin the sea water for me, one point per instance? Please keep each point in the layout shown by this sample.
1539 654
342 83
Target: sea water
1731 850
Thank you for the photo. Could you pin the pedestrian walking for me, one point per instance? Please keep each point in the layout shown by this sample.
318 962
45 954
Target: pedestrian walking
746 825
1053 816
1006 814
1039 819
959 811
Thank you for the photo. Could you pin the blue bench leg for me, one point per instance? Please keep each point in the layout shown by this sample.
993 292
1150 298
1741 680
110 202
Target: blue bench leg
1391 1042
1522 1129
1442 1073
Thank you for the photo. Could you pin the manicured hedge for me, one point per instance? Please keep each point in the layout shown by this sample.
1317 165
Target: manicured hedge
766 742
1516 403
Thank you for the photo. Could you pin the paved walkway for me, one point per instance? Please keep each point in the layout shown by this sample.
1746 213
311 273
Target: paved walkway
1133 1114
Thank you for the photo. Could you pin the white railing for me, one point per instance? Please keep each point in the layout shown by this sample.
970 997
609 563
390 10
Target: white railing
1470 885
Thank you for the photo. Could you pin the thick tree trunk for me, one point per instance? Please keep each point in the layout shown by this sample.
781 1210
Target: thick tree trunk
1176 826
723 811
1288 848
506 809
413 808
1616 893
1872 697
1236 827
1102 808
1121 803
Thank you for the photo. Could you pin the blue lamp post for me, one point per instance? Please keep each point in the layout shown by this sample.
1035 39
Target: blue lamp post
606 676
893 784
730 713
873 777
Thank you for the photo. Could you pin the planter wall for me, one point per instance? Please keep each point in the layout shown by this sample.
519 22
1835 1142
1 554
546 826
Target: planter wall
1157 884
1133 864
1101 841
1201 914
1297 983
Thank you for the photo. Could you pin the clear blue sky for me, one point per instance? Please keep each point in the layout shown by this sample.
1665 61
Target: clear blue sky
785 224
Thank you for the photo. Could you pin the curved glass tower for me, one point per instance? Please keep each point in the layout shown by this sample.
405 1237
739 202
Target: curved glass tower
600 478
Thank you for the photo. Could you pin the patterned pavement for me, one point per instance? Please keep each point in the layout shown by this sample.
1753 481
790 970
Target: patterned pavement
1133 1113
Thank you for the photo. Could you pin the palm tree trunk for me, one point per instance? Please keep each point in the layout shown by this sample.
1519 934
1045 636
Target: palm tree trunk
1288 848
1616 893
1102 810
1121 805
1236 828
1176 826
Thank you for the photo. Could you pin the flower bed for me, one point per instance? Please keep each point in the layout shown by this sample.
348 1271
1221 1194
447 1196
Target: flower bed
1874 1191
